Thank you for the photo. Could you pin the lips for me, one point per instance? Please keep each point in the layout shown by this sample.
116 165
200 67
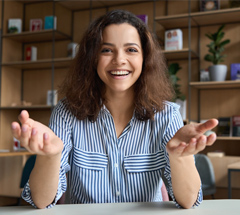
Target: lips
119 72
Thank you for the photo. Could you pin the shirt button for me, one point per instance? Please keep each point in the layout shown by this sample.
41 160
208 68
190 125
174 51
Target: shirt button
118 193
116 165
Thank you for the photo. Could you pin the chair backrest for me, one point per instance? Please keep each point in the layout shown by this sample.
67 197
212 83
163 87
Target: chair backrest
27 169
205 169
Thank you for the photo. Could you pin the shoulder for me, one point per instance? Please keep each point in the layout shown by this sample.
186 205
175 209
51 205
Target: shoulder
169 108
170 114
62 112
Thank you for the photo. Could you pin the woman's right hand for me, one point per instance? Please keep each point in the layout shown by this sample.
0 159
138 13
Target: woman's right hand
36 137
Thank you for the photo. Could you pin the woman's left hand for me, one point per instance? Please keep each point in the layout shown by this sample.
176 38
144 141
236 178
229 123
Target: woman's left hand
190 139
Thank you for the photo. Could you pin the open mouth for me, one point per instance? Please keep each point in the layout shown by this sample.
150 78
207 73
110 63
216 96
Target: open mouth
120 73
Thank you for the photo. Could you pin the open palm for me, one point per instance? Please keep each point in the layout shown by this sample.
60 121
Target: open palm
36 137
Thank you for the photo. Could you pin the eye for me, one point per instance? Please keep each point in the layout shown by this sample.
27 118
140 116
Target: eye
132 50
106 50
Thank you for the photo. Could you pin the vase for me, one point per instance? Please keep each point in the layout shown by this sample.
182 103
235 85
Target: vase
217 72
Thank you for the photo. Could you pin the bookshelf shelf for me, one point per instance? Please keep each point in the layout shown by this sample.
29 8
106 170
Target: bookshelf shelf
216 84
40 64
200 18
37 36
14 154
23 107
229 138
179 54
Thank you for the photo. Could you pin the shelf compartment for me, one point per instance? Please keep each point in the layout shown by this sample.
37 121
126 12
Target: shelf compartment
179 54
216 84
222 16
40 64
200 18
37 36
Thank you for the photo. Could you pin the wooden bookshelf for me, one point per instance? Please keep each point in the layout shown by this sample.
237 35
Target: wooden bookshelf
216 84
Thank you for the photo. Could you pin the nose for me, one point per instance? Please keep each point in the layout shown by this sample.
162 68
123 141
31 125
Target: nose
119 58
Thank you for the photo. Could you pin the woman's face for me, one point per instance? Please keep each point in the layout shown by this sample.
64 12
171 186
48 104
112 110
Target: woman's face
121 57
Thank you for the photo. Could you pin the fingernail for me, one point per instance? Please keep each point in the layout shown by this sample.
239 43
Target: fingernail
34 131
45 136
14 126
24 129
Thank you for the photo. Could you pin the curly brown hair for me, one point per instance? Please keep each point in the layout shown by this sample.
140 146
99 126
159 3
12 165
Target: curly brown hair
84 90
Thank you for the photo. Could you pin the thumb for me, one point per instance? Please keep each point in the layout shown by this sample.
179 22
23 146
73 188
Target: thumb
208 125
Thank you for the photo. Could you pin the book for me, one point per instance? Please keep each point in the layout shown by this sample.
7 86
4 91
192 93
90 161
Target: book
208 5
35 25
144 18
224 127
14 26
173 39
50 22
235 71
31 53
236 126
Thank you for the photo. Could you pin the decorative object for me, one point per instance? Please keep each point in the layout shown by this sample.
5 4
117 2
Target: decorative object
180 99
50 22
173 40
35 25
218 71
144 18
14 26
204 75
31 53
72 49
208 5
235 71
52 97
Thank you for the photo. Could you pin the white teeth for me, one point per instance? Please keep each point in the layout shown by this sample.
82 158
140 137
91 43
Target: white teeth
119 72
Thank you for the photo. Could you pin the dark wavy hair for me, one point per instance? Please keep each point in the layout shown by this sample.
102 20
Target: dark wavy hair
84 90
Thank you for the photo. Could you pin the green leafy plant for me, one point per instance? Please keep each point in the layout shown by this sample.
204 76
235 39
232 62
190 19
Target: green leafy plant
173 70
216 46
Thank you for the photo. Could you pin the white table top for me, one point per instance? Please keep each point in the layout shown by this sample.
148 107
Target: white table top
208 207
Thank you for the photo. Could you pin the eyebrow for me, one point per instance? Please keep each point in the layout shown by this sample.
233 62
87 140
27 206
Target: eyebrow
126 44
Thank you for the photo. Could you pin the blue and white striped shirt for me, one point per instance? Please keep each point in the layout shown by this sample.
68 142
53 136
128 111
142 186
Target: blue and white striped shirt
107 169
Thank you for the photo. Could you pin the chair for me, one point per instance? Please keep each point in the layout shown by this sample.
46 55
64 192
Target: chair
206 172
27 169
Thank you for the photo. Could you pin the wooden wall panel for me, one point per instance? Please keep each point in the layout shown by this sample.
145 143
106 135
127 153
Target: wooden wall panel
10 86
219 103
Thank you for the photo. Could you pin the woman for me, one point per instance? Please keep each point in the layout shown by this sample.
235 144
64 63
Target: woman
116 129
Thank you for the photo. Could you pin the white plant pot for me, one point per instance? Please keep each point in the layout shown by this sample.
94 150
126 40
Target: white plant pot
218 72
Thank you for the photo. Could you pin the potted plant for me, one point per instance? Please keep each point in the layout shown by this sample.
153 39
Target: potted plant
217 71
179 98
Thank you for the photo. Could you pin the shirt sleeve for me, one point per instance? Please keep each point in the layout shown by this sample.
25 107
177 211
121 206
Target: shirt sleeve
174 124
60 123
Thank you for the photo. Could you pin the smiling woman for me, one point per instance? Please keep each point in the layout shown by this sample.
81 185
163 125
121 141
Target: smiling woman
115 129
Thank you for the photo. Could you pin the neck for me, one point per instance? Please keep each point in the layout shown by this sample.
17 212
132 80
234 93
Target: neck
121 107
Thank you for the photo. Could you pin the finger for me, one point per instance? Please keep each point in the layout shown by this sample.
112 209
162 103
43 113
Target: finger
25 134
180 148
201 144
208 125
191 147
34 144
46 144
16 130
23 116
211 139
